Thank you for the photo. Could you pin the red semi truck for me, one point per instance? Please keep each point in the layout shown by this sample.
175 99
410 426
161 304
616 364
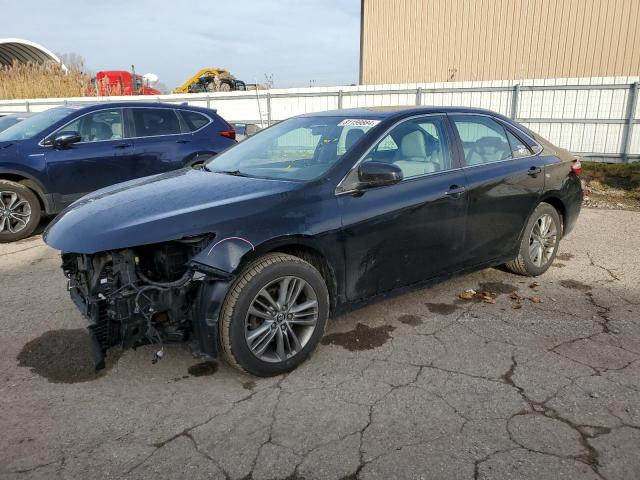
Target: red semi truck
121 82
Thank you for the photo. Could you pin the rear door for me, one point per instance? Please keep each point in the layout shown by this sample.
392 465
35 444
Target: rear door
160 141
504 180
405 233
103 157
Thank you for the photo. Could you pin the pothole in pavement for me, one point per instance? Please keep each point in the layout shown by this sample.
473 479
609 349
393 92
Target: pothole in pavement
249 385
575 284
413 320
361 338
496 287
64 356
203 369
441 308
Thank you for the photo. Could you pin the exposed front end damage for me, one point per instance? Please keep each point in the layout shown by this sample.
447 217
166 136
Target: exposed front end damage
148 294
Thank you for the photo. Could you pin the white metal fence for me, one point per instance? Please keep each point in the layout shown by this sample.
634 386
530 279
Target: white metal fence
596 118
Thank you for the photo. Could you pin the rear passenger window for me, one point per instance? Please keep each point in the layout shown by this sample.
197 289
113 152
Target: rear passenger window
484 140
518 148
151 122
194 120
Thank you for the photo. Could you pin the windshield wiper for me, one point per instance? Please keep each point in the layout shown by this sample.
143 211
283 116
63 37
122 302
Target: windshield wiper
235 173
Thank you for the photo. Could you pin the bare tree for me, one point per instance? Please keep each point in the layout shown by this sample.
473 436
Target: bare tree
268 80
73 61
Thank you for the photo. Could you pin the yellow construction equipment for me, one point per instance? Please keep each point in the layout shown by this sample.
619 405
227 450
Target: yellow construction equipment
211 80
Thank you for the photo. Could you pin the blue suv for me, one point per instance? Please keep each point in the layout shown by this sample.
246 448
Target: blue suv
51 159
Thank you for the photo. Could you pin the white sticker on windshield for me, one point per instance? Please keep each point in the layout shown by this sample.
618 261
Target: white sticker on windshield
358 122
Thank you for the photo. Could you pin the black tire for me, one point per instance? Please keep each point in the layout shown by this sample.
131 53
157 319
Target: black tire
523 264
244 290
7 188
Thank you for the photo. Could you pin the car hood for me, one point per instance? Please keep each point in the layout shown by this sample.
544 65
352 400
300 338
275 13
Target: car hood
160 208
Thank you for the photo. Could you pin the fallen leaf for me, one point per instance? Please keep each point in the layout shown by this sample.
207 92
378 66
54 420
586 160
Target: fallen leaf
515 296
516 306
468 295
534 285
535 299
489 300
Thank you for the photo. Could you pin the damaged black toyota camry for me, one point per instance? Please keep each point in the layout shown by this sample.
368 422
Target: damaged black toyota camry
249 255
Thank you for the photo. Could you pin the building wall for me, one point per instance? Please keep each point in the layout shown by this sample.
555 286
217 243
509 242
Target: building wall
452 40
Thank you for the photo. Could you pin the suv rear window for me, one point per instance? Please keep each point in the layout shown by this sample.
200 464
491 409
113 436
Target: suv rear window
151 122
194 120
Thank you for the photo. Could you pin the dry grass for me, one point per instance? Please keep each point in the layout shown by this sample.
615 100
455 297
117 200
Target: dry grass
613 179
45 81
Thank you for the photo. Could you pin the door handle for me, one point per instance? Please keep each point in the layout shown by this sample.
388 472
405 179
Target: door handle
455 191
533 171
183 141
122 145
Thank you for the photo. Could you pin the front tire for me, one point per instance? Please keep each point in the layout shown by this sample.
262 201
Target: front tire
540 242
274 315
19 211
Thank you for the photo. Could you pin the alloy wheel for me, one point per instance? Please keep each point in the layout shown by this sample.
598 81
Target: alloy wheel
543 240
15 212
281 319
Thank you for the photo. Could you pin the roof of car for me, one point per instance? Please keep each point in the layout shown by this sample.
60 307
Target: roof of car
386 112
139 104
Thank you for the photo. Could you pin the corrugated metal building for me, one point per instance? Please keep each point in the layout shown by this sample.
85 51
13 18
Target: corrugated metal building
406 41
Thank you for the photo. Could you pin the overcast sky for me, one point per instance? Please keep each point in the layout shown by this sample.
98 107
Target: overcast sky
295 40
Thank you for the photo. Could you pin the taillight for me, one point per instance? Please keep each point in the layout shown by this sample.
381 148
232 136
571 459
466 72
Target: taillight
576 167
229 134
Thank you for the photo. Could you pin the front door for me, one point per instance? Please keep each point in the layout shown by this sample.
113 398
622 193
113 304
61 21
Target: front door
414 230
504 181
103 157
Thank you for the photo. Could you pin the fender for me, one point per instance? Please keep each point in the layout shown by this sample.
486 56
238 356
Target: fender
226 255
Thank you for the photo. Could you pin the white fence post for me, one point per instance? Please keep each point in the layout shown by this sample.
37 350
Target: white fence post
632 106
515 97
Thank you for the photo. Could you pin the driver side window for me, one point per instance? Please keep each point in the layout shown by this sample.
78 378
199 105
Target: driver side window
418 146
98 126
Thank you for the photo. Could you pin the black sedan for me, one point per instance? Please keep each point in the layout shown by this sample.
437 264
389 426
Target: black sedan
320 213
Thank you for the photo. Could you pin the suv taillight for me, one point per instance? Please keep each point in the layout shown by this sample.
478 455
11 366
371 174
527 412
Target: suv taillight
576 167
229 134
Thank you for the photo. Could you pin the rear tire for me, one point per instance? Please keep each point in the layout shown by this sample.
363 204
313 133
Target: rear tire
274 315
540 242
19 211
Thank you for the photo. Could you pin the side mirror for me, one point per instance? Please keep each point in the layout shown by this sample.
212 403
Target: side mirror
63 139
378 174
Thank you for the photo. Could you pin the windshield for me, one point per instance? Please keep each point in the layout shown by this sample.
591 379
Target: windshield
301 148
6 122
32 126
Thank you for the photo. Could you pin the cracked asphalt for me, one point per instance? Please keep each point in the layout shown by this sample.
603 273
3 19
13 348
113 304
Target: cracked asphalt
423 385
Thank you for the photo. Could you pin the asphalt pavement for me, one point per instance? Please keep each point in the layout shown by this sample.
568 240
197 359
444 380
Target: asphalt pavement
531 379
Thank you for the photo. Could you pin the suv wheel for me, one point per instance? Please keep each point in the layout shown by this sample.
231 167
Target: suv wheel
539 243
19 211
274 315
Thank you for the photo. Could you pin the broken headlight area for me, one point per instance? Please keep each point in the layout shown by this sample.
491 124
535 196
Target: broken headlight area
138 295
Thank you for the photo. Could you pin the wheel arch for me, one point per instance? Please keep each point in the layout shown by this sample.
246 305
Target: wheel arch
559 205
320 262
306 248
29 182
